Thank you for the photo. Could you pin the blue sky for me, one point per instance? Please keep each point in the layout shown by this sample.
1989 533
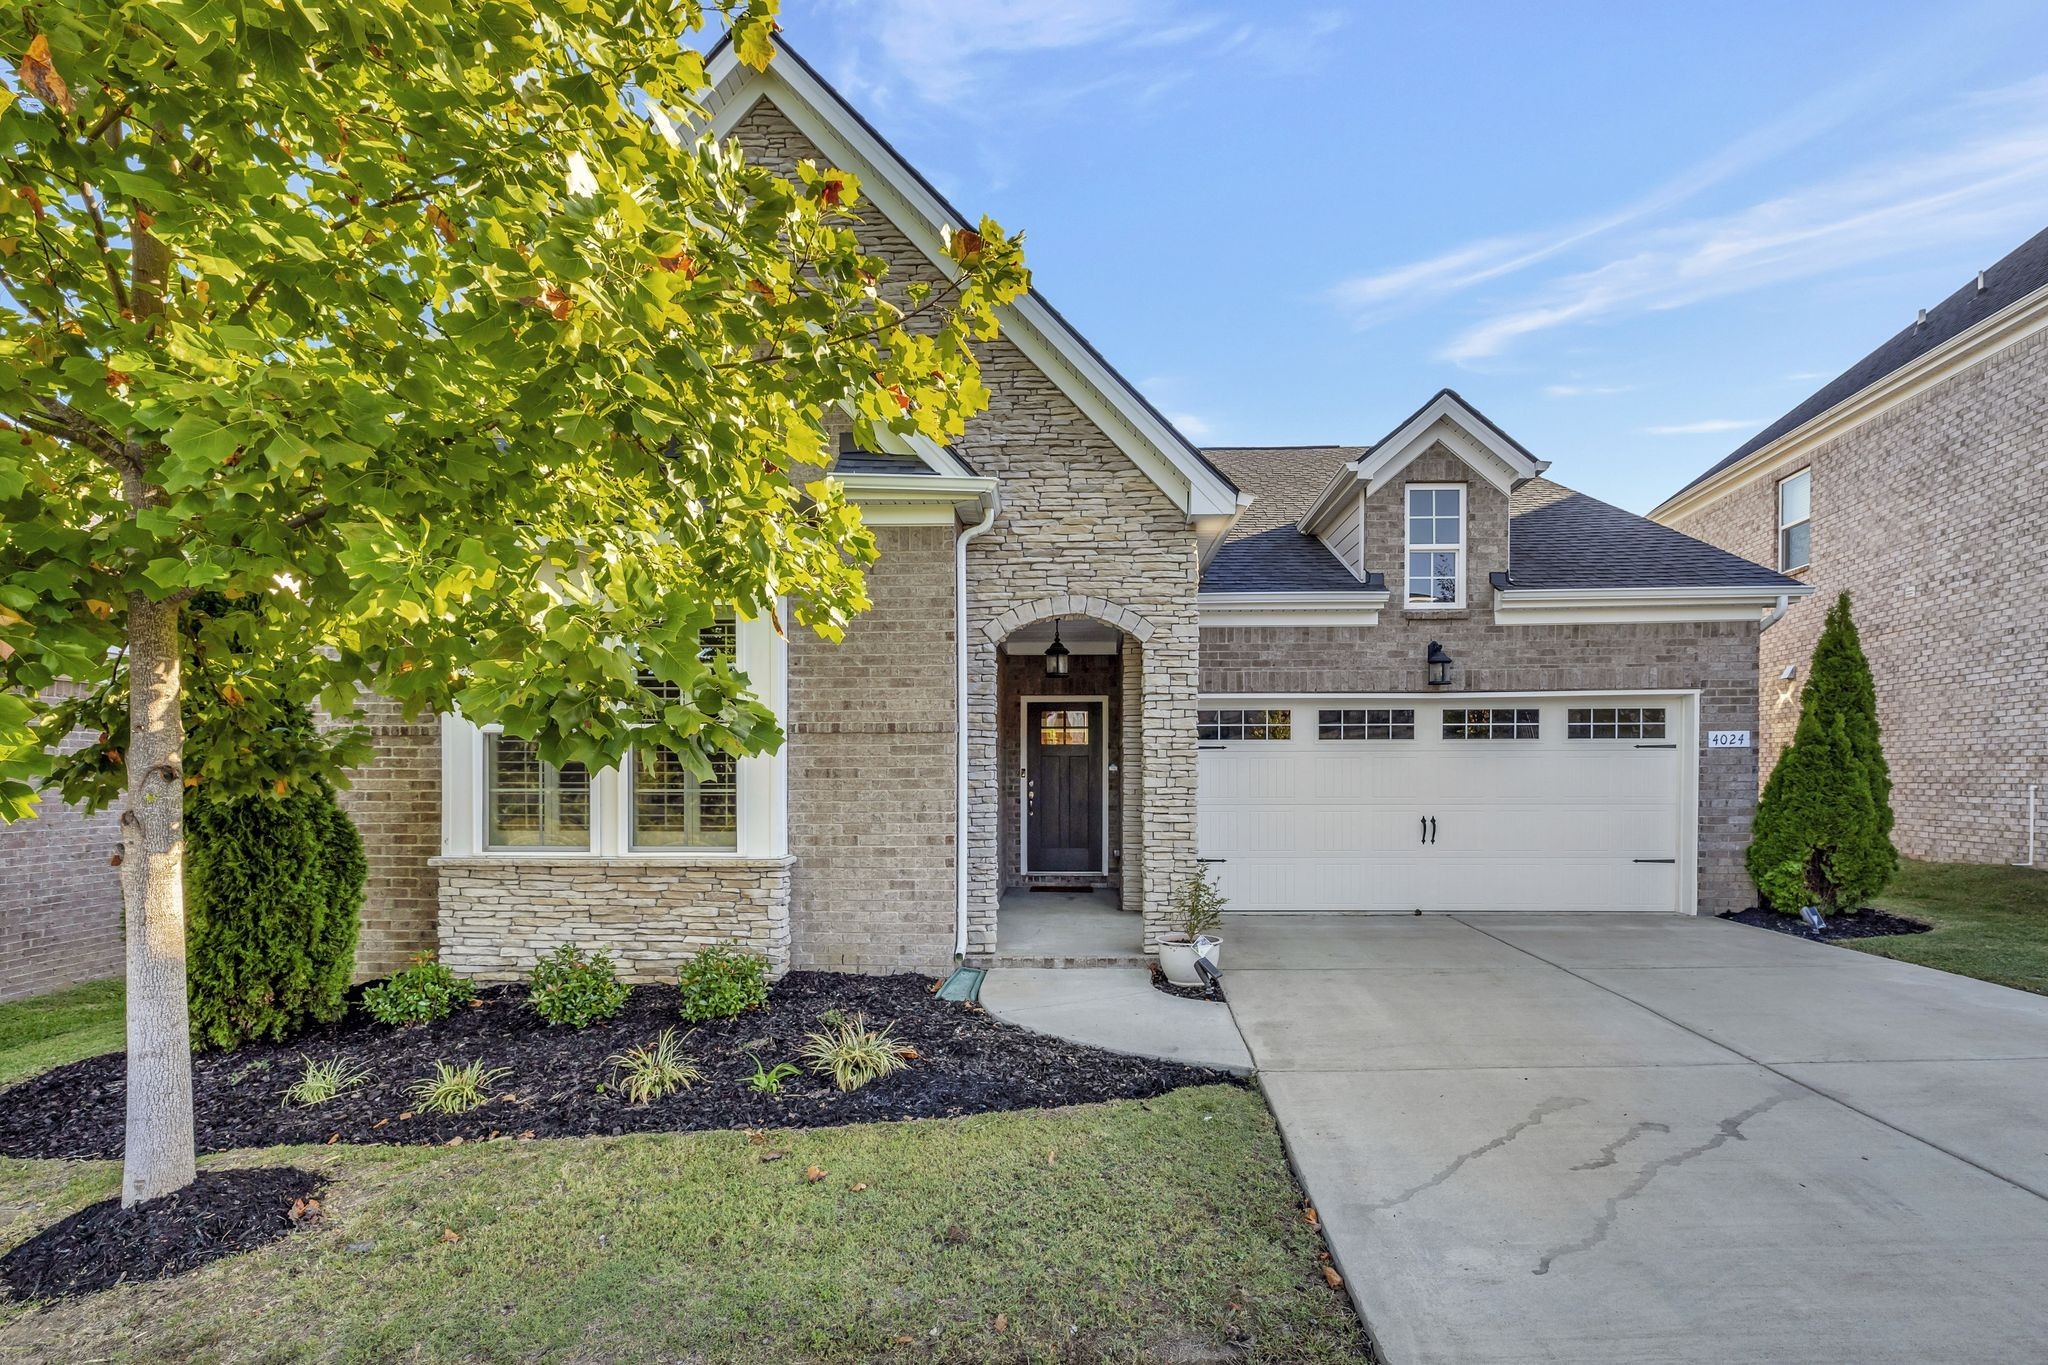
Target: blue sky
1632 234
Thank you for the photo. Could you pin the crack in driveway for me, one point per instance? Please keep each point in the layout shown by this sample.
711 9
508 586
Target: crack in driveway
1607 1155
1728 1129
1557 1104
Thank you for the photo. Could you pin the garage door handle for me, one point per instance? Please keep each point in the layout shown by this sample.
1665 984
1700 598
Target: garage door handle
1432 829
1425 829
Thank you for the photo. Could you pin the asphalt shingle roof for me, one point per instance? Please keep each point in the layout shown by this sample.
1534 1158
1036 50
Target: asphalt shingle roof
2022 272
1558 538
1264 552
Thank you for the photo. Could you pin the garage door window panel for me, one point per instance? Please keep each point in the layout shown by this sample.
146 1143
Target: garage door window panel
1615 722
1223 726
1494 722
1369 723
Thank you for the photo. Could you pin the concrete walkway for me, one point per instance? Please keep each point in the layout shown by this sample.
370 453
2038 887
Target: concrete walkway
1580 1138
1116 1008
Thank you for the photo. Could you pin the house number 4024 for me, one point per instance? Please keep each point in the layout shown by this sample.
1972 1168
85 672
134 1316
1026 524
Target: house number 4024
1727 739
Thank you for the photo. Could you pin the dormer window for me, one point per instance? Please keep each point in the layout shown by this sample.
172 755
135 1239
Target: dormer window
1795 521
1436 546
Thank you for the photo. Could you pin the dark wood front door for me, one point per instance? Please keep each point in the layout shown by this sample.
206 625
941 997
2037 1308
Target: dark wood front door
1063 786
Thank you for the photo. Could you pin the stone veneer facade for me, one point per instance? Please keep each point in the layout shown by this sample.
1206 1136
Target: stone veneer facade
1931 514
499 914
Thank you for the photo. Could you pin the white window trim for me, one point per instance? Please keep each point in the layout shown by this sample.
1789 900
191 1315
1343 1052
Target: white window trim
763 784
1784 525
1457 603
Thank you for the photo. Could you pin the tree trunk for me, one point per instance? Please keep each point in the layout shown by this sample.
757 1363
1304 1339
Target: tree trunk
159 1147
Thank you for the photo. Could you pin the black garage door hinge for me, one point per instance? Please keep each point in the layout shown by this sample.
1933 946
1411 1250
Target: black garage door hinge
1656 860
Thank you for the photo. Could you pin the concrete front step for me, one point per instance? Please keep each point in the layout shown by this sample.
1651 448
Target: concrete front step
1002 959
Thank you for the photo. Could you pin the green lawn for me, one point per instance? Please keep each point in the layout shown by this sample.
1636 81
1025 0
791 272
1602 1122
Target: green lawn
51 1030
1137 1230
1989 922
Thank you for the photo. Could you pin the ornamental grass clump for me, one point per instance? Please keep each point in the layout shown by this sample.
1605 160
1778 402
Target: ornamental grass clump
576 988
852 1053
653 1072
422 993
456 1089
322 1081
720 983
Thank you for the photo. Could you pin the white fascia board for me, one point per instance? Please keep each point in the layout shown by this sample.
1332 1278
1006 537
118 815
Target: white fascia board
1335 494
918 499
1622 606
1044 338
1465 431
1290 608
935 456
2015 324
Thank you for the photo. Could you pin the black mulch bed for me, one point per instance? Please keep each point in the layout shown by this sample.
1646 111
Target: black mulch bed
1160 983
968 1063
222 1213
1864 923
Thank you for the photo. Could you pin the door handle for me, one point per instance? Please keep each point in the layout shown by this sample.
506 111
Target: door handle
1425 829
1432 829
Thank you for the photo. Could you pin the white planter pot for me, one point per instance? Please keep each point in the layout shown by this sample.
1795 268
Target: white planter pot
1177 959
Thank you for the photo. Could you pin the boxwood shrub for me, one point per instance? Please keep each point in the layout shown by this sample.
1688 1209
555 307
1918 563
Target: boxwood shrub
719 983
572 987
420 994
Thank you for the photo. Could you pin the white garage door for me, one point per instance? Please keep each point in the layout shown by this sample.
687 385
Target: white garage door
1446 805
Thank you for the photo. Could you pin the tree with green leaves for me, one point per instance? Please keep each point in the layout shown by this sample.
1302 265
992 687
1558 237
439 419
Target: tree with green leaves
441 344
1823 824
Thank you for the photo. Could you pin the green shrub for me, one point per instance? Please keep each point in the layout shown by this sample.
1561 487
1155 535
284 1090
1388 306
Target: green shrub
456 1089
853 1054
719 983
1822 833
273 885
572 987
322 1081
768 1080
651 1073
420 994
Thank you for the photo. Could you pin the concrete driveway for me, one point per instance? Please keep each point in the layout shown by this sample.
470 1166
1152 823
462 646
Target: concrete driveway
1584 1138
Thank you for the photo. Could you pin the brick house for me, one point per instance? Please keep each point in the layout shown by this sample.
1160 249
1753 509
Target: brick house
1913 482
1411 675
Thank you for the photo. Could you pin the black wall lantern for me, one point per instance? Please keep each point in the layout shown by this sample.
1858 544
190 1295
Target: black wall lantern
1439 666
1058 658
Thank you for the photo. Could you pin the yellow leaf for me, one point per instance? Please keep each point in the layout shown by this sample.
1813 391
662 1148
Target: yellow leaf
98 608
39 76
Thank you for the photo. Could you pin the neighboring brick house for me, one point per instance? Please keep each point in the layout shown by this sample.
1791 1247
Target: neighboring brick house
1914 482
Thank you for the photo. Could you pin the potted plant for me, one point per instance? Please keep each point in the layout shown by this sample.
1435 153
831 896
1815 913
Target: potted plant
1198 914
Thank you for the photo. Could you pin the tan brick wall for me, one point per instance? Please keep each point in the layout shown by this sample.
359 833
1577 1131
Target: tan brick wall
1078 519
1932 515
60 897
500 915
872 769
395 801
1486 527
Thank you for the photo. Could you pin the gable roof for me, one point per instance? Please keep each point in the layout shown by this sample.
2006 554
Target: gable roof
1445 419
1559 539
1266 551
917 208
2021 273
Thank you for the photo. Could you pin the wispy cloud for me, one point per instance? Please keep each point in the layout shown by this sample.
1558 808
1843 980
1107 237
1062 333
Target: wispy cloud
1584 390
1191 425
1711 424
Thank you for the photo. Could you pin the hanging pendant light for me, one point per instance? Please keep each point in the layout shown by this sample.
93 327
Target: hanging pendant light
1057 656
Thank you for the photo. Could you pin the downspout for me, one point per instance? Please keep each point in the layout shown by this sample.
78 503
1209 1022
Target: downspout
1777 613
960 724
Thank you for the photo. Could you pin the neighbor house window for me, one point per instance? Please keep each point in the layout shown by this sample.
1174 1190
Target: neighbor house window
1490 723
1370 723
531 804
1795 521
1436 545
669 806
1614 722
1252 724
